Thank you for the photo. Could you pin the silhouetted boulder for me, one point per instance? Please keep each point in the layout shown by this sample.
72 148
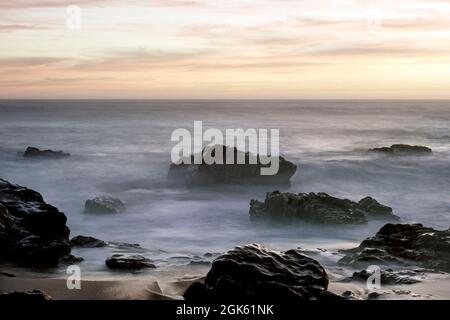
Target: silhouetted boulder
403 149
128 262
403 244
32 152
255 273
210 174
87 242
104 204
32 232
318 208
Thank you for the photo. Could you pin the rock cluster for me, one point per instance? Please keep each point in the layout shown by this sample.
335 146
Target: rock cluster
319 208
403 244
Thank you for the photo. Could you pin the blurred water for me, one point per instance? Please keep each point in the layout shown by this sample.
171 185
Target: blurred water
122 148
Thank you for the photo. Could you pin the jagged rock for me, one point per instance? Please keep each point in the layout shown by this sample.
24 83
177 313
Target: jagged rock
25 296
128 262
255 273
318 208
388 277
87 242
104 204
32 232
402 149
32 152
403 244
210 174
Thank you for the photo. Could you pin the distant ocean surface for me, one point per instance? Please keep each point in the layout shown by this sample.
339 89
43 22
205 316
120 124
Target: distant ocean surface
122 148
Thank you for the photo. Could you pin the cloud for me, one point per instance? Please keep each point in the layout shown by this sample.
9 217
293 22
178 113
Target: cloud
20 27
23 62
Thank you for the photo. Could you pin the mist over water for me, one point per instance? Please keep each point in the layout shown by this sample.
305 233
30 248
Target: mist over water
122 148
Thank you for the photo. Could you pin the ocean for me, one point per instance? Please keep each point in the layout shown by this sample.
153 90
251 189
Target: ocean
122 148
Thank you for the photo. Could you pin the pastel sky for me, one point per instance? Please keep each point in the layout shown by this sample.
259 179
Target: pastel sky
288 49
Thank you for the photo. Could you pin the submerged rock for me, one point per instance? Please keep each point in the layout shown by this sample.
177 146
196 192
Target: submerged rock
210 174
402 149
104 204
32 152
25 296
128 262
318 208
87 242
32 232
403 244
255 273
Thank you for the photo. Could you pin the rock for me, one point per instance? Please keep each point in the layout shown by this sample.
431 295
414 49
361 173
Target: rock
388 277
25 296
255 273
128 262
318 208
373 295
205 174
403 244
403 149
33 152
87 242
71 259
125 246
7 274
104 204
32 232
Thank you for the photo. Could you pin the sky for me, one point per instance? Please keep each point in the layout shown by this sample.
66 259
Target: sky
225 49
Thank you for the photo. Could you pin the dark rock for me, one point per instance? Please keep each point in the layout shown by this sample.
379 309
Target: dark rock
32 232
71 259
125 245
87 242
388 277
104 205
33 152
7 274
128 262
210 174
403 244
255 273
373 295
403 149
25 296
318 208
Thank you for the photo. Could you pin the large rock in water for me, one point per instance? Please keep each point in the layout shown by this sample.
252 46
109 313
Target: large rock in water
32 232
255 273
210 174
318 208
104 204
403 244
403 149
32 152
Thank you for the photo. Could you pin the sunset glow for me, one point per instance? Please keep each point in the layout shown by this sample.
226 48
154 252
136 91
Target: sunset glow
226 49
